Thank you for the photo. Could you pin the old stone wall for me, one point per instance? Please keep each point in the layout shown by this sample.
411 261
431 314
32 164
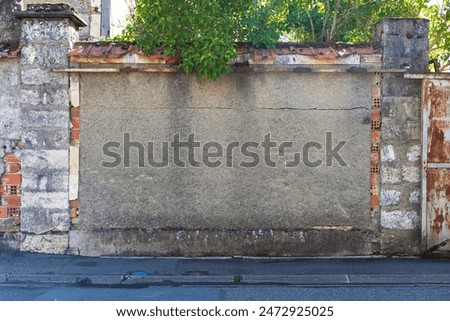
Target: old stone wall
54 127
405 45
89 11
34 128
10 143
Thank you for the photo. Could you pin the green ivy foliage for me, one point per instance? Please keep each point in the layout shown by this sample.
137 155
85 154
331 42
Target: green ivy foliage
204 32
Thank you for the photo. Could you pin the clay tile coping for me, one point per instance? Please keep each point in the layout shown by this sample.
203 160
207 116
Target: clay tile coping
111 50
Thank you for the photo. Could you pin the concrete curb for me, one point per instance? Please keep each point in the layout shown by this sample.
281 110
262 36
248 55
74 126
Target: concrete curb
228 280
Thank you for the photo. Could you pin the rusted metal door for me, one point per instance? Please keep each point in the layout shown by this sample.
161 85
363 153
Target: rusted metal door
436 164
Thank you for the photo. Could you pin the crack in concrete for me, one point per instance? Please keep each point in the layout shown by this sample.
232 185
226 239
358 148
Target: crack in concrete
253 109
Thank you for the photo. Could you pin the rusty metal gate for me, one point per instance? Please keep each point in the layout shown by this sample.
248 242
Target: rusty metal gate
436 164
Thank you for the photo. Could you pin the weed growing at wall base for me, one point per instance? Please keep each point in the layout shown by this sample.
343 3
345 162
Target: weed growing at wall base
247 154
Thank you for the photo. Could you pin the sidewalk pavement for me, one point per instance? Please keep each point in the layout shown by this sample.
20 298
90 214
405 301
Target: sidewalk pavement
26 269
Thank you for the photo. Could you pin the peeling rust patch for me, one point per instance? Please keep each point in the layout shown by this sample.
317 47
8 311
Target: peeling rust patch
437 222
438 143
438 202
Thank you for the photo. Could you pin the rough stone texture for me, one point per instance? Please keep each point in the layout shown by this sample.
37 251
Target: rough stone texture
414 197
81 7
9 241
400 242
405 45
399 220
414 153
391 175
41 220
237 107
9 24
411 174
10 122
50 243
44 103
390 197
388 154
10 131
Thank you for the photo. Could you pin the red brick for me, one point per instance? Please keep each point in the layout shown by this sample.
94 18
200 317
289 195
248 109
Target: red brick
11 158
264 55
74 112
3 212
376 91
11 179
376 135
75 134
12 201
73 212
75 122
13 211
376 113
373 180
374 201
13 168
173 59
375 158
74 203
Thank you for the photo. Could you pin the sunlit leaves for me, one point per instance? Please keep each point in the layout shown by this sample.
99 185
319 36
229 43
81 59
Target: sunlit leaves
204 32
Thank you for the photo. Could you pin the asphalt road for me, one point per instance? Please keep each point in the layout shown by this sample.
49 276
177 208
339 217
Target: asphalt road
228 293
39 277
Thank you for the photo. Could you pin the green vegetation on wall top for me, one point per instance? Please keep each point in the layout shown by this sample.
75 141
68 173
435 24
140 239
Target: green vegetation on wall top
204 32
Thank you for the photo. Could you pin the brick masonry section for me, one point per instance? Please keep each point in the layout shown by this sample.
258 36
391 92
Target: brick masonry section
11 191
75 124
375 146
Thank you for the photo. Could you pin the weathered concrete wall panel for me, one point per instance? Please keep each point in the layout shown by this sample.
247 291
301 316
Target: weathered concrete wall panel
239 107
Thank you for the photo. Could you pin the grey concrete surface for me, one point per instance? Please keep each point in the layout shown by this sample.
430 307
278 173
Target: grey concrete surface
208 203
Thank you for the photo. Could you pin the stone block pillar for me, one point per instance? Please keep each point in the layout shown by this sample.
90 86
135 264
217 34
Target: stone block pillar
48 33
405 46
9 24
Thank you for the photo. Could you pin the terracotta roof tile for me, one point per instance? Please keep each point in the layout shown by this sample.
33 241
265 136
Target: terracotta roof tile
116 51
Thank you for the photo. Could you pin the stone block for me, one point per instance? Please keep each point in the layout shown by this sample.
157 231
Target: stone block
10 122
414 197
45 55
390 197
400 242
41 221
414 153
50 244
391 175
38 76
46 138
387 153
43 118
399 220
411 174
45 200
36 160
53 181
45 30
